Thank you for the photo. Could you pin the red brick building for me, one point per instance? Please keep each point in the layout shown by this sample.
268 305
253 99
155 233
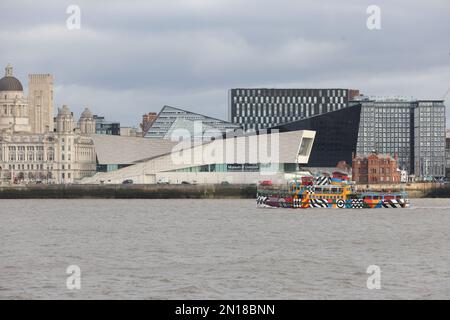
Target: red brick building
147 121
375 168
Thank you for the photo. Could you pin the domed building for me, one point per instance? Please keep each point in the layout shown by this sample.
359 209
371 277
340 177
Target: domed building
35 146
14 113
87 122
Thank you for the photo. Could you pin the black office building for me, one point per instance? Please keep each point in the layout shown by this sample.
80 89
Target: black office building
336 135
414 131
263 108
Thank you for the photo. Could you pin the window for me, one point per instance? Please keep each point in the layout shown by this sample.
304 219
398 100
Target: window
305 146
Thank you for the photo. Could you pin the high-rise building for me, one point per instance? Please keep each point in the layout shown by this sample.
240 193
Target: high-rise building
429 138
411 131
447 154
40 101
260 108
386 127
184 123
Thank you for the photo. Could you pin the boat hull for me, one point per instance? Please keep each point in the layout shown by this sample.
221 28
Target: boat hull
263 201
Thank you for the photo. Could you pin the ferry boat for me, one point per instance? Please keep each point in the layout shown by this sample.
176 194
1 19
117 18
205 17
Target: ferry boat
326 192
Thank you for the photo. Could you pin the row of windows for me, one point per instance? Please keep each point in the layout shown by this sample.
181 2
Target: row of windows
290 92
284 99
29 167
286 110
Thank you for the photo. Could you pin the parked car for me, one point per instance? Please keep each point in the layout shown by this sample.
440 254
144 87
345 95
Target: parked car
224 183
163 180
185 182
127 181
265 183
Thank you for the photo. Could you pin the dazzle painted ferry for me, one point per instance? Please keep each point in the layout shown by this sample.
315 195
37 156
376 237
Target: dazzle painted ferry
326 192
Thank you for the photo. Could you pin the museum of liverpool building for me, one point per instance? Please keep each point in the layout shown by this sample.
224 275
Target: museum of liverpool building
243 159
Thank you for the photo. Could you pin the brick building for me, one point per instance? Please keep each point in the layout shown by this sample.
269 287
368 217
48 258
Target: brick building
375 168
147 121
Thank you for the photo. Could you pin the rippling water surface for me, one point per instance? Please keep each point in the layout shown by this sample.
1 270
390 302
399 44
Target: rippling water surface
221 249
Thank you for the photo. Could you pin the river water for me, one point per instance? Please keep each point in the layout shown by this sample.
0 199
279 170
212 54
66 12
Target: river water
221 249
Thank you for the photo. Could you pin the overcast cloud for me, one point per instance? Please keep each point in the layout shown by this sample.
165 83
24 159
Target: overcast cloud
133 57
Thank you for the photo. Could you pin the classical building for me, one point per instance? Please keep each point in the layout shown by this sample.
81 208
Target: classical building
40 101
34 146
375 168
14 105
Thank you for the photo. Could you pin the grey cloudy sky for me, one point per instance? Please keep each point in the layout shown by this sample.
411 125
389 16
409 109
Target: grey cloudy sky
133 57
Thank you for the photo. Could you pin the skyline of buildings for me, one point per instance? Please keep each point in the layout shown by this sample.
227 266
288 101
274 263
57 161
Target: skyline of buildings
412 130
35 148
346 123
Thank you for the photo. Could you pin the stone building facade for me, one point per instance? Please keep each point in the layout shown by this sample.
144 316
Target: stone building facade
35 148
40 101
375 168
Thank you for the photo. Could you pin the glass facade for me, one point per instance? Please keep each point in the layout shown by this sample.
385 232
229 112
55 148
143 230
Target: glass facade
385 127
412 130
429 139
259 108
104 127
336 135
171 119
110 167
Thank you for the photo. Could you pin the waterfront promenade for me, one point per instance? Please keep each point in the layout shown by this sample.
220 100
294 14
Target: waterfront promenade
181 191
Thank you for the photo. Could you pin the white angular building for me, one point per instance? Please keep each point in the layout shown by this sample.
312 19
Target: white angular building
175 122
244 159
34 146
